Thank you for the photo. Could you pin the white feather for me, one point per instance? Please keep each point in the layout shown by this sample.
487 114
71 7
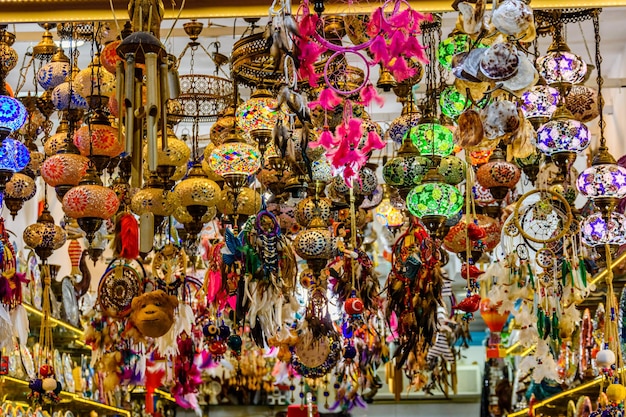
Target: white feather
21 327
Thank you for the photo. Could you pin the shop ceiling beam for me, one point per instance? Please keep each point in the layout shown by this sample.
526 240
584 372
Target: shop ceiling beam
22 11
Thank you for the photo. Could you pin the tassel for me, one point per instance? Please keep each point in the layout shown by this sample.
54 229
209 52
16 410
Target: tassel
369 94
327 100
379 49
127 235
374 141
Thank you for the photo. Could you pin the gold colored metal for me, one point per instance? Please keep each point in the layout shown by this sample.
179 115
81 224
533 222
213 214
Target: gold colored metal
14 11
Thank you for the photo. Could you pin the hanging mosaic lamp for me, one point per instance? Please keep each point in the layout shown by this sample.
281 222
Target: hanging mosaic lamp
20 189
452 169
44 236
594 230
65 169
109 57
65 97
257 117
90 203
408 119
560 67
248 202
197 193
563 138
456 238
98 140
452 102
155 199
13 115
434 201
530 165
14 157
498 175
387 213
432 139
55 72
235 161
407 169
539 104
455 44
94 83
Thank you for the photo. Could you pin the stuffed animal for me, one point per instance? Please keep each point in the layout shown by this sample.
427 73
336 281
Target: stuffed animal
111 363
152 313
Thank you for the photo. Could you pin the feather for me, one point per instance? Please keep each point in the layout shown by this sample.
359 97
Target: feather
19 320
308 25
326 140
397 43
214 285
373 141
412 48
400 20
369 94
83 286
400 70
379 49
327 100
377 23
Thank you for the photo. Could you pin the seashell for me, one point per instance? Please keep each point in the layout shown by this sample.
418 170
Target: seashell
470 129
512 17
499 62
500 118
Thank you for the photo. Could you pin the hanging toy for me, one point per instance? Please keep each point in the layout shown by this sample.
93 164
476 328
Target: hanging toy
46 389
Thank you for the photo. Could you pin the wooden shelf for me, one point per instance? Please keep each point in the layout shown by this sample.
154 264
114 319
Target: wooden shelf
17 390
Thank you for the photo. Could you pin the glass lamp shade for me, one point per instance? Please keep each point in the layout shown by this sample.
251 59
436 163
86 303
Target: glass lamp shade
90 200
498 173
563 135
221 128
452 102
309 208
315 243
451 46
98 140
94 80
34 124
434 199
321 170
387 214
406 171
562 67
478 157
248 202
64 169
604 180
8 58
209 172
182 215
399 127
482 196
154 200
455 241
595 232
235 158
57 141
65 97
109 57
365 185
197 190
540 102
257 113
432 139
176 154
452 169
53 74
44 236
14 156
13 115
582 101
21 186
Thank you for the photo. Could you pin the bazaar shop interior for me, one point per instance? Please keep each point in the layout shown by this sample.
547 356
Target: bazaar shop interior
320 208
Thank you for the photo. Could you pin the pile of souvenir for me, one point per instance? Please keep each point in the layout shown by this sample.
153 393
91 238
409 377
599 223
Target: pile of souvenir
282 246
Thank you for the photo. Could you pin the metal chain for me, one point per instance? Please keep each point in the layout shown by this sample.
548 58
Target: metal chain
599 79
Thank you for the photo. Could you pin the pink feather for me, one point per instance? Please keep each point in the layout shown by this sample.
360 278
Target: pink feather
369 94
374 141
350 175
326 140
400 20
309 53
327 100
308 25
354 131
396 44
379 49
215 284
412 48
400 70
377 23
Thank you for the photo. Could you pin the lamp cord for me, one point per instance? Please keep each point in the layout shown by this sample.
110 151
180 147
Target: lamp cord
599 79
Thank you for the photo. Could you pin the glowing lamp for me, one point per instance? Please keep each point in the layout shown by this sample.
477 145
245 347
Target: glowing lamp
498 175
13 115
432 139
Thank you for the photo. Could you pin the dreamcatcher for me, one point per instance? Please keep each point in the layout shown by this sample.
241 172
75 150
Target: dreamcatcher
169 268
